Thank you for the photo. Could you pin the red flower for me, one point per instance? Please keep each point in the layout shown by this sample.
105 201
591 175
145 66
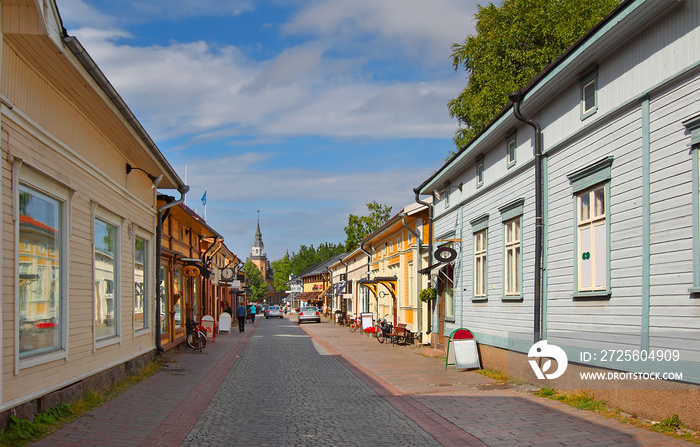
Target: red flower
45 325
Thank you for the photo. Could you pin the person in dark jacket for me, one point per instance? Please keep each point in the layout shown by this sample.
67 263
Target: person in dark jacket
240 315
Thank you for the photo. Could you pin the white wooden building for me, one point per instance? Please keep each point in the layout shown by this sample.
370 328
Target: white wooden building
619 114
78 219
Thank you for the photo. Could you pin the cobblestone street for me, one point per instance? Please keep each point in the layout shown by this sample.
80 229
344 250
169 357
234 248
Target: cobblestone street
281 384
287 390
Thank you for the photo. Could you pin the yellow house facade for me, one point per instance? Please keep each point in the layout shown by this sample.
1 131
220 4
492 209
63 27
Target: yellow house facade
79 217
398 251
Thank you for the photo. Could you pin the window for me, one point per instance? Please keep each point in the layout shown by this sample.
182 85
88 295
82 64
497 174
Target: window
591 188
106 265
510 149
480 264
589 94
411 286
41 315
446 278
479 172
447 194
512 218
141 282
512 258
592 240
693 127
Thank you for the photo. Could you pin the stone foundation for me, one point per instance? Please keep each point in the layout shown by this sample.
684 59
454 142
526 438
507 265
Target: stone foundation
632 397
70 394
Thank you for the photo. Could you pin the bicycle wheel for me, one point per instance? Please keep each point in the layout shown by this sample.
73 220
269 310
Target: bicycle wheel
354 326
380 335
201 340
191 340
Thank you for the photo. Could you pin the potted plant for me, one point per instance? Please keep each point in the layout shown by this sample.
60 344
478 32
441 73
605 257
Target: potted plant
427 294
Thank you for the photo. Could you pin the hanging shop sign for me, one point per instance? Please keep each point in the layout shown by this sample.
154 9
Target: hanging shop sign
191 271
445 254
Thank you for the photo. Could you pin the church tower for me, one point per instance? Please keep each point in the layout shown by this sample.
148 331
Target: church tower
257 254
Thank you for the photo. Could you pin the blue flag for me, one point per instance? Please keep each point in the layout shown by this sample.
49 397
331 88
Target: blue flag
204 198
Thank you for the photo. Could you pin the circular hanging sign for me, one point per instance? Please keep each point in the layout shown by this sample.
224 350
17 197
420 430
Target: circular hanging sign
445 254
227 274
190 271
382 294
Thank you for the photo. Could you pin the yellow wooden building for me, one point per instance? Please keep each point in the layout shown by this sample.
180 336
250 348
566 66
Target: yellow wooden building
398 251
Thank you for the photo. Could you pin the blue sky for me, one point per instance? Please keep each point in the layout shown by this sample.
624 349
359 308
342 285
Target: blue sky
304 110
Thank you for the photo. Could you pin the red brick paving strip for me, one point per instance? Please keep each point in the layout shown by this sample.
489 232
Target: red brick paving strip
445 432
175 427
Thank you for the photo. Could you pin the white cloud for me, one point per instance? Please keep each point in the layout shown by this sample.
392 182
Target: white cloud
431 26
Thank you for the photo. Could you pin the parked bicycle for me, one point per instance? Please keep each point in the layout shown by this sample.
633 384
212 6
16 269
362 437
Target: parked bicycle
196 336
383 329
355 324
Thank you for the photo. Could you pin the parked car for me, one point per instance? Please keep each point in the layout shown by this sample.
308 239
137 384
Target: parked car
309 313
274 311
266 308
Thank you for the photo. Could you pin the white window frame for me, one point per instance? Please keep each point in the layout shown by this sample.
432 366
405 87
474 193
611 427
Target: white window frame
50 187
480 279
511 146
583 182
595 222
108 217
590 80
512 219
148 278
479 172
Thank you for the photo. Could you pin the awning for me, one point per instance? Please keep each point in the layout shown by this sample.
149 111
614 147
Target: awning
431 269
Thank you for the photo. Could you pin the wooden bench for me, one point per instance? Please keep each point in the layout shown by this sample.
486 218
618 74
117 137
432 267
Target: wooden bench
401 334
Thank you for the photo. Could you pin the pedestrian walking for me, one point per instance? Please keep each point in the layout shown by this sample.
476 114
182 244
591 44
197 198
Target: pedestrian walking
252 313
240 315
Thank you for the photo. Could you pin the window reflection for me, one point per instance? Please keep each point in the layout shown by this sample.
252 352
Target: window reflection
40 307
105 279
140 283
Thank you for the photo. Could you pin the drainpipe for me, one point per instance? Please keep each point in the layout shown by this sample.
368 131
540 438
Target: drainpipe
159 235
517 98
418 264
430 254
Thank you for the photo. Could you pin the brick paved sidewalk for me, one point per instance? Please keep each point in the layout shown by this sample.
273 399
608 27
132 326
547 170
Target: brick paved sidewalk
162 409
467 409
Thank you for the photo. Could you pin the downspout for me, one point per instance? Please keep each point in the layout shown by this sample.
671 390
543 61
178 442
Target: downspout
418 265
159 235
517 98
430 254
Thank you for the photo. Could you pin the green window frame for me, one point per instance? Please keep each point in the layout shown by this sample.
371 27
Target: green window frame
480 262
693 127
588 86
591 218
512 218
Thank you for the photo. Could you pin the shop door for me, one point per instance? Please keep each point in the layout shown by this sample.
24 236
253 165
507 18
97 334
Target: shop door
177 313
163 295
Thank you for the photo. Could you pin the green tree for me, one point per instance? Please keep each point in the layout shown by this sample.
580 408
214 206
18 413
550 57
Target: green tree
281 268
359 227
308 256
512 44
255 281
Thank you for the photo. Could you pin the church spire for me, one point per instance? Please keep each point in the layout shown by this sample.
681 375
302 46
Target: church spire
258 246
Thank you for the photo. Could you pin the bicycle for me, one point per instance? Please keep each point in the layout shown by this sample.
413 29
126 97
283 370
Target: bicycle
384 329
355 324
196 336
